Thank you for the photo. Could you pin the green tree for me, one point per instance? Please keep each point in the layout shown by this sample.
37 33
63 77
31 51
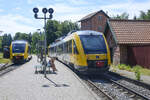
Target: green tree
122 16
56 29
35 38
30 38
0 43
23 36
68 26
51 30
6 40
144 15
17 36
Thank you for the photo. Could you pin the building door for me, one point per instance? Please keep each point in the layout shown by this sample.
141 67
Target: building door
139 55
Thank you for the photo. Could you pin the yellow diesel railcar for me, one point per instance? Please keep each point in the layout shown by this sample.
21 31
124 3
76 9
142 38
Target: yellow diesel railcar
20 51
86 51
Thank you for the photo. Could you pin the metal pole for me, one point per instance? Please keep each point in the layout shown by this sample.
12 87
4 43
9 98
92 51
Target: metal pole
44 10
45 44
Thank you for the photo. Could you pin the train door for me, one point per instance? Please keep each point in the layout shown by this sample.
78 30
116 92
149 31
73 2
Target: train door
75 53
6 52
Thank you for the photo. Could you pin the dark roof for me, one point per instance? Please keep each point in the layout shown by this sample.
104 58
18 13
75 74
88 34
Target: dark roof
92 14
131 31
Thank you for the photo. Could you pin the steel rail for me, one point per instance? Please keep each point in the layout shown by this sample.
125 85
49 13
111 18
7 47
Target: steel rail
4 66
109 97
133 91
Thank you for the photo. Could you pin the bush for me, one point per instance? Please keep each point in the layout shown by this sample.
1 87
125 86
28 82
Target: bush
128 68
124 67
137 67
137 72
121 66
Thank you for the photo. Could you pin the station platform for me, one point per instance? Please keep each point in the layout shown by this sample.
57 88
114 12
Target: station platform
24 84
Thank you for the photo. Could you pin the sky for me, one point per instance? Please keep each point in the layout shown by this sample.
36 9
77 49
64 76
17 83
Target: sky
18 16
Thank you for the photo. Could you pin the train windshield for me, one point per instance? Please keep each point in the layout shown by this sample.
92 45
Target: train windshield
93 44
18 48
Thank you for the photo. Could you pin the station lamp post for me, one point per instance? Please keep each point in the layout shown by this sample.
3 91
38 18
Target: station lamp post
45 11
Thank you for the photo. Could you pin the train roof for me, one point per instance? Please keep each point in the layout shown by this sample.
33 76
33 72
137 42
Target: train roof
88 32
81 32
19 41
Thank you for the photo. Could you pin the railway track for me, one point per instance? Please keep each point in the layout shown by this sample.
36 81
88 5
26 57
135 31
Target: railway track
116 90
132 93
8 67
5 68
99 91
109 88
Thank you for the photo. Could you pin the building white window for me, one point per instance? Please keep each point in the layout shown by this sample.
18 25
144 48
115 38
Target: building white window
99 17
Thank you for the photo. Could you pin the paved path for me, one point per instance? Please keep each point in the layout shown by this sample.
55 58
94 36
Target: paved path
23 84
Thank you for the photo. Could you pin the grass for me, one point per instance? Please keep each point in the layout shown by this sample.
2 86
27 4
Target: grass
137 69
3 60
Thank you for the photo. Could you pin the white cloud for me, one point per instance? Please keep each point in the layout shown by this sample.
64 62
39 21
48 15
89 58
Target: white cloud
29 1
72 17
65 12
17 8
1 10
10 24
64 8
34 1
79 2
131 7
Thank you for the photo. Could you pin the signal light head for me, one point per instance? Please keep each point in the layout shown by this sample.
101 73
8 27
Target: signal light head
35 10
44 10
50 10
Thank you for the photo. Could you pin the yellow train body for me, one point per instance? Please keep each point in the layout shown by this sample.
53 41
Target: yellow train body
19 51
71 50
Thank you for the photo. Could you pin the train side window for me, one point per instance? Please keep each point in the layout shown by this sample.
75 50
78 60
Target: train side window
75 48
61 48
54 49
65 47
70 46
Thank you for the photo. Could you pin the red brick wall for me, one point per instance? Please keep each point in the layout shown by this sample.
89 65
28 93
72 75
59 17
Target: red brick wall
95 23
116 57
99 24
86 25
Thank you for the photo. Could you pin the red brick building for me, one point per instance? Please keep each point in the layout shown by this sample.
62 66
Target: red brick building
129 41
94 21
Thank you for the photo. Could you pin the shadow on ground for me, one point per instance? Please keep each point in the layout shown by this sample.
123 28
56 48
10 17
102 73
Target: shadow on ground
55 84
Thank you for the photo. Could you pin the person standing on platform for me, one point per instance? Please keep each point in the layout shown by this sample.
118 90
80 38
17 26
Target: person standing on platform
53 65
